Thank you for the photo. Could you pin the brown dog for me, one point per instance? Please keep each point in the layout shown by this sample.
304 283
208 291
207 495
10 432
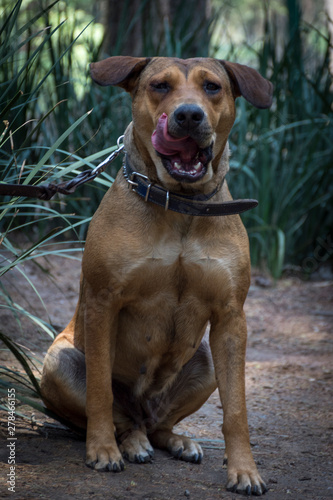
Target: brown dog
133 359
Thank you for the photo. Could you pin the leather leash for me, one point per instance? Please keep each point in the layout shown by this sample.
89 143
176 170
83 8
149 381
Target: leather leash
188 205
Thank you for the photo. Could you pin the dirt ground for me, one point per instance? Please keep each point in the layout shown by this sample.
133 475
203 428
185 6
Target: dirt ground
289 396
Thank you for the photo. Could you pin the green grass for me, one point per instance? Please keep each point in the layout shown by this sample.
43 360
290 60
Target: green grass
283 155
40 142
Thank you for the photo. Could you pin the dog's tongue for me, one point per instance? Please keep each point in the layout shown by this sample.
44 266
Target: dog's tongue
165 144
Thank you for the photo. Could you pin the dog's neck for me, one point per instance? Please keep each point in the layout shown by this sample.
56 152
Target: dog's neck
201 203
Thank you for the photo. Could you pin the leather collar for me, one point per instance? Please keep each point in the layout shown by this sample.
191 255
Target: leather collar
188 205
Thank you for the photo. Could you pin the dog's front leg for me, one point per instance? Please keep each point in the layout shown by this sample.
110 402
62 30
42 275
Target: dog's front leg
228 345
100 327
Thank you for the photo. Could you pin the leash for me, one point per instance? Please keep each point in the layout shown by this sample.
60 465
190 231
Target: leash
188 205
140 184
47 191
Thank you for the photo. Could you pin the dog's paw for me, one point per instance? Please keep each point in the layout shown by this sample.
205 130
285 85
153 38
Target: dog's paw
246 483
104 458
136 448
183 448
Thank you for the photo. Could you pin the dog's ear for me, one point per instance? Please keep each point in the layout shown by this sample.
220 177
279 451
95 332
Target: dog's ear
122 71
250 84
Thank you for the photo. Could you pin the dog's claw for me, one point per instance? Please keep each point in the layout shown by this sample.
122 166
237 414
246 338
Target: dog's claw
183 448
140 459
232 488
136 448
256 490
116 468
197 458
178 453
92 464
109 467
259 490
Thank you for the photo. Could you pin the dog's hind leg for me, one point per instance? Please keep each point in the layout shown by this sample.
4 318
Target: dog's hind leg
192 388
63 388
63 383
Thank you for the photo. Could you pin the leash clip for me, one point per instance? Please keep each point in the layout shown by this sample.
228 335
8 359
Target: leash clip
120 142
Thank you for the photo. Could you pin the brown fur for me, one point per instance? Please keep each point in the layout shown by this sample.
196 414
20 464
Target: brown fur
133 359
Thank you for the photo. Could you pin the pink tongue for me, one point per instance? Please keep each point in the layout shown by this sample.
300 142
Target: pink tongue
167 145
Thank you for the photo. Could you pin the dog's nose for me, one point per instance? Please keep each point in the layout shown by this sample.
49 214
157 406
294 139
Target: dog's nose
188 116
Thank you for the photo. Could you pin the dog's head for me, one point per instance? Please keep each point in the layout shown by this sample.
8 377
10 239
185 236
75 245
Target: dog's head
183 109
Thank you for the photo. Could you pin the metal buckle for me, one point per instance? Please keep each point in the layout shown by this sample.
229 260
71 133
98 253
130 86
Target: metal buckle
148 192
133 184
167 198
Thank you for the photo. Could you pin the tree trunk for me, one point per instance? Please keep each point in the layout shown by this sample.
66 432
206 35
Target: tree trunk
329 10
159 27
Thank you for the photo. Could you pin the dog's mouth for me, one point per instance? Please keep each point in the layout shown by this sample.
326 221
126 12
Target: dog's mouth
183 159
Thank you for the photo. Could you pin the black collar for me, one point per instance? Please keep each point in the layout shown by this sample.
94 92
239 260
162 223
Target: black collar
189 205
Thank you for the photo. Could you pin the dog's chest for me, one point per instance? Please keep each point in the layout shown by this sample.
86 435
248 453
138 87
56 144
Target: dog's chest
171 291
177 271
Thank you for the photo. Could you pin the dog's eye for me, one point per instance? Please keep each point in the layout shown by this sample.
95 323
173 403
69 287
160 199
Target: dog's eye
160 86
212 88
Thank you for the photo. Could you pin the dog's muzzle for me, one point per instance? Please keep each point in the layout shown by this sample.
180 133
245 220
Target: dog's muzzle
178 147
